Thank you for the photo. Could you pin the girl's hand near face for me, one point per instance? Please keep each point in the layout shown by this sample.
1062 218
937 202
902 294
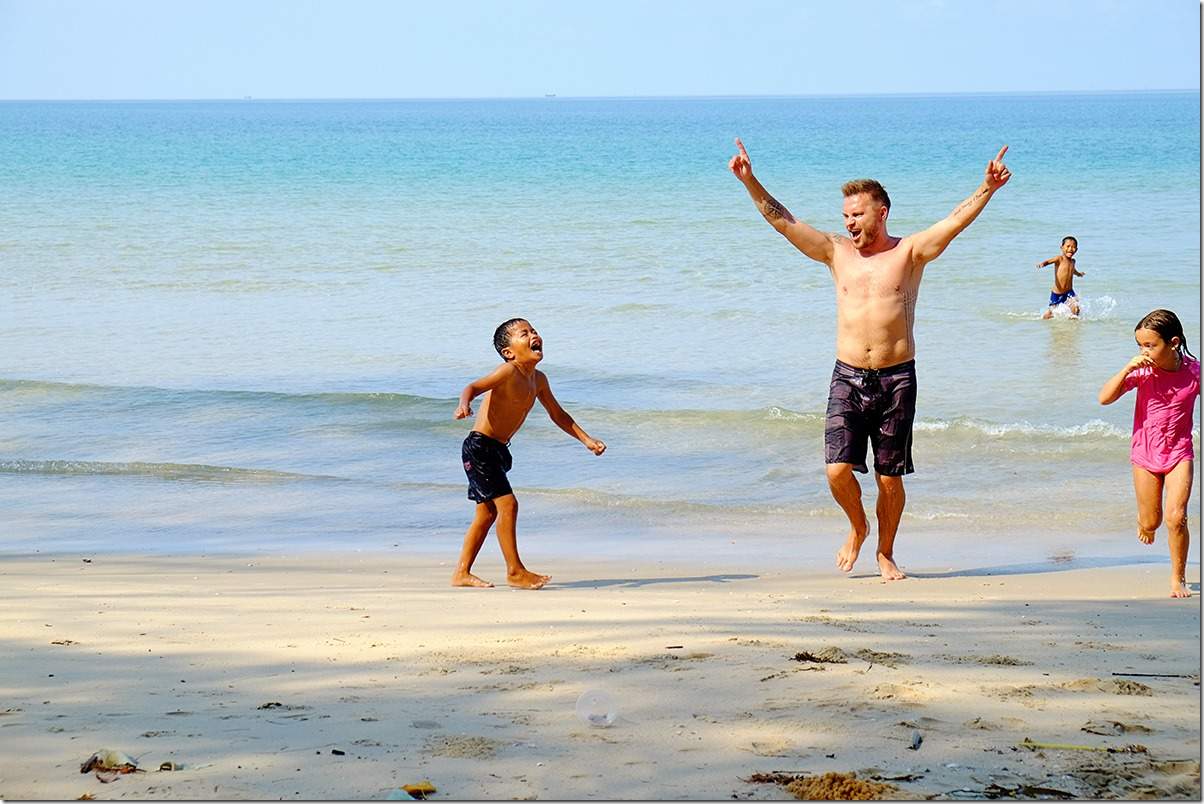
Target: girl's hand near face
1137 362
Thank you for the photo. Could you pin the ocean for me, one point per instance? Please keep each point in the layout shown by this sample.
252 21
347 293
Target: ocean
243 326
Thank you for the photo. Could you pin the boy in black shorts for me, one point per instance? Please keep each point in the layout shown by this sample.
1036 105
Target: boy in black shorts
510 392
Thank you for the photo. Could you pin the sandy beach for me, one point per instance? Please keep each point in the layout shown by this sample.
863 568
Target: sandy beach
335 677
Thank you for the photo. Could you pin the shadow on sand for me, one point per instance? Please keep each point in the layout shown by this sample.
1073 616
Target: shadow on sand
637 582
1037 567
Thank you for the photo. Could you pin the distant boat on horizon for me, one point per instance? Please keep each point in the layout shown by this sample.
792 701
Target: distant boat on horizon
549 94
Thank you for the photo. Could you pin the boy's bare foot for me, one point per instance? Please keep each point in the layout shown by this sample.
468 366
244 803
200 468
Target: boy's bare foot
846 556
890 572
525 579
1179 588
1145 536
468 579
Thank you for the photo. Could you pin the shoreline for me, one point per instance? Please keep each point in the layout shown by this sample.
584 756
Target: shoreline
248 671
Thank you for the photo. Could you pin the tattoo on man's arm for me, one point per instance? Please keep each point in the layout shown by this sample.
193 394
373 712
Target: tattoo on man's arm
773 210
982 191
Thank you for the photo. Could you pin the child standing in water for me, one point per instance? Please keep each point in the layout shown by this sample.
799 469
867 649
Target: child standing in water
510 392
1064 274
1167 378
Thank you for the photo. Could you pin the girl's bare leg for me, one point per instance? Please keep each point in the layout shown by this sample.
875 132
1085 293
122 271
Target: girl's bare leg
1178 484
1149 503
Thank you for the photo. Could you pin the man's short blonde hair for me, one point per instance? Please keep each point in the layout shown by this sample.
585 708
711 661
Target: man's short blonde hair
868 186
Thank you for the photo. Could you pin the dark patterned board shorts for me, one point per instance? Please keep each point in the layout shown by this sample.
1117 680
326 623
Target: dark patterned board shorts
486 462
878 405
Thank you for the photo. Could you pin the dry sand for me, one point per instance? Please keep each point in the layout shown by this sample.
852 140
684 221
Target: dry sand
249 673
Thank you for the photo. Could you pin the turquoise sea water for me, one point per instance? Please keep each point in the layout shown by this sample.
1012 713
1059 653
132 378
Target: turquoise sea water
244 325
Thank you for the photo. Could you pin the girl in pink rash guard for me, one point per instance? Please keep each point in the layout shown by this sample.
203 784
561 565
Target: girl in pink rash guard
1167 378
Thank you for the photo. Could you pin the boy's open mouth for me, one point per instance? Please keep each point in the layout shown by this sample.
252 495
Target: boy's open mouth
536 346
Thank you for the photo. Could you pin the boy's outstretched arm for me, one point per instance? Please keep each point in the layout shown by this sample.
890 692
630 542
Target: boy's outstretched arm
1050 261
815 244
478 387
563 420
930 243
1114 388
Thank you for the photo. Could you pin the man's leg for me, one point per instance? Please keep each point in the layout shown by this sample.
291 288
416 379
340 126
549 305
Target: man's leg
1149 503
1178 490
507 537
891 499
482 520
847 493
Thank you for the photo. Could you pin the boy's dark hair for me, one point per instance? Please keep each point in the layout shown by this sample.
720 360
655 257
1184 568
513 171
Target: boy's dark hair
1167 325
869 186
501 336
1072 239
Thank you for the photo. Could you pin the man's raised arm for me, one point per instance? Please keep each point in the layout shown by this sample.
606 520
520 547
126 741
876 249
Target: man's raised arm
930 243
812 242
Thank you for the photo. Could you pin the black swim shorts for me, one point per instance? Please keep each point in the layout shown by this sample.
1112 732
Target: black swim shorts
486 462
878 404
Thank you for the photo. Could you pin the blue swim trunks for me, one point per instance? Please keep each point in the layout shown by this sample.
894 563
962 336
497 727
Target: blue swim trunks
1060 298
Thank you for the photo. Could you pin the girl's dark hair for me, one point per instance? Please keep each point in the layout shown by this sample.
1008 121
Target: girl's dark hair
501 335
1167 325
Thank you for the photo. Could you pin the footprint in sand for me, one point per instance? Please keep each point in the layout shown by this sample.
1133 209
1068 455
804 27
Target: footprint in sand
910 693
463 747
994 660
1114 727
882 657
1114 686
772 747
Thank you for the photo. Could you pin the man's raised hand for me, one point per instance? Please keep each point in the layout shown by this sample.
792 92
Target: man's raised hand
997 173
740 163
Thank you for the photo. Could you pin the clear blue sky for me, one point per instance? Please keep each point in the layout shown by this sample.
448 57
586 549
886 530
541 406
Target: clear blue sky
94 49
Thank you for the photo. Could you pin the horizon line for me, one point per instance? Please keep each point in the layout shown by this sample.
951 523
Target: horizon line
554 96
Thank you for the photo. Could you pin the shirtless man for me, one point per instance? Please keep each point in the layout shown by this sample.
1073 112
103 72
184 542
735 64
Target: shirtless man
873 390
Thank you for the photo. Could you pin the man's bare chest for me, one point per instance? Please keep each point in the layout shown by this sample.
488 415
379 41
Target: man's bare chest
874 282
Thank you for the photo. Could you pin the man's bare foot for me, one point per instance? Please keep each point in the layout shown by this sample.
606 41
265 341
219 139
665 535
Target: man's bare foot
846 556
1145 536
525 579
890 572
1179 588
468 579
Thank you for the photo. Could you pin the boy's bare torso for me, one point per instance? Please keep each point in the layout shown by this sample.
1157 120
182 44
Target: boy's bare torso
875 304
1063 274
504 409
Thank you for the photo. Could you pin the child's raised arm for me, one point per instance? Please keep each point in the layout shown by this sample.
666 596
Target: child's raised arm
1050 261
562 419
478 387
1114 388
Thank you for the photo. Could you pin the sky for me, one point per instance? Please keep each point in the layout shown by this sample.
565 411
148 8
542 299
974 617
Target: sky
177 49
